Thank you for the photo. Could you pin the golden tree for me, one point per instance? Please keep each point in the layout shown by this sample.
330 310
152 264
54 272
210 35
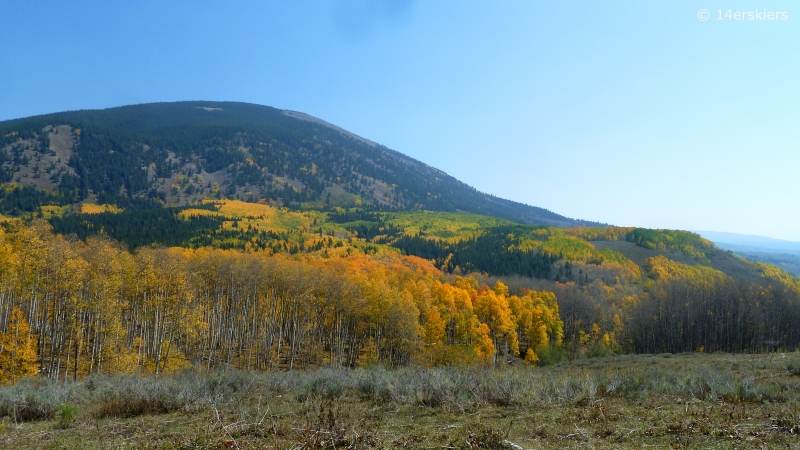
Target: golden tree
17 349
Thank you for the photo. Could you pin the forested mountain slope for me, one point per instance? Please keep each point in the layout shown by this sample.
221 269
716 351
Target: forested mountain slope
256 286
259 238
180 153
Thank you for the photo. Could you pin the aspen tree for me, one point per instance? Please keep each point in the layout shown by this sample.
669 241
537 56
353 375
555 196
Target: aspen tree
17 349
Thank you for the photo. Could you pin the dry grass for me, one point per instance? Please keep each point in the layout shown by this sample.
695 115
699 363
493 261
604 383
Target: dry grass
665 401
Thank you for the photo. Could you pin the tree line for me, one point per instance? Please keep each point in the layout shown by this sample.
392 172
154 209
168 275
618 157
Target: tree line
69 308
72 307
695 308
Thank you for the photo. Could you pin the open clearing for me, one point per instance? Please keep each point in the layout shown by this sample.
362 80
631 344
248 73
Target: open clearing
663 401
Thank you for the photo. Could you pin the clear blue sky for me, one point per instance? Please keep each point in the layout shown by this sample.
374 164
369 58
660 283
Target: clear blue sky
632 113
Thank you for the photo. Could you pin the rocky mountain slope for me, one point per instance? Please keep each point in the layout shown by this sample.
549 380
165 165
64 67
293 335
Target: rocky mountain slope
181 153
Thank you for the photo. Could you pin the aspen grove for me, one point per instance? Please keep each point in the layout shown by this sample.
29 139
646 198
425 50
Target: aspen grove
69 308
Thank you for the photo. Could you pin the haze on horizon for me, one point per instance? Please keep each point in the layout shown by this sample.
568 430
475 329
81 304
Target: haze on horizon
630 113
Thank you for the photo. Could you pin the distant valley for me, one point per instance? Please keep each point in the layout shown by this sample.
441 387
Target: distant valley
784 254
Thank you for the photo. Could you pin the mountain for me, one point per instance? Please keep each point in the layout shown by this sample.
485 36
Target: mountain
746 242
784 254
180 153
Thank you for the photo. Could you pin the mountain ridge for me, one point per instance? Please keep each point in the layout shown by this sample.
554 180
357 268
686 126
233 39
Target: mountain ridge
779 252
182 152
749 240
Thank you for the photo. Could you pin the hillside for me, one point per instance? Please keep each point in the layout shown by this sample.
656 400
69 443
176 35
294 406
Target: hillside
457 243
492 286
181 153
259 238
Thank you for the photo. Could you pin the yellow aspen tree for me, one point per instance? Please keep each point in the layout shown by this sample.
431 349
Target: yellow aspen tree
8 265
530 356
433 330
432 337
595 335
500 289
17 349
482 343
493 310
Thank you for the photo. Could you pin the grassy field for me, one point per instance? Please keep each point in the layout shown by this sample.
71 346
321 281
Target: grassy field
664 401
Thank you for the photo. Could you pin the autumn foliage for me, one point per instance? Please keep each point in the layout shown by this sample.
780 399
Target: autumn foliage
69 308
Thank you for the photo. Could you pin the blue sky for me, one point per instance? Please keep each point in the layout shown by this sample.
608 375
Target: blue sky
631 113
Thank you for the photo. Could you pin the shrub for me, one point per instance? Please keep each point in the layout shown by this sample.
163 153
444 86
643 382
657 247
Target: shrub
31 399
132 396
66 415
327 384
599 351
433 388
551 354
501 389
627 384
374 385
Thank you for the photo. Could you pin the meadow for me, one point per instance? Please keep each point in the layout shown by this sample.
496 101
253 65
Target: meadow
693 400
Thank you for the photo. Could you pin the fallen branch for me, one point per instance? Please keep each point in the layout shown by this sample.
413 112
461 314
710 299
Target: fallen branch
508 443
224 428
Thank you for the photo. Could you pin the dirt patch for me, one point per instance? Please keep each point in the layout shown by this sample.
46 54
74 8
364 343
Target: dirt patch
62 141
297 184
377 190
